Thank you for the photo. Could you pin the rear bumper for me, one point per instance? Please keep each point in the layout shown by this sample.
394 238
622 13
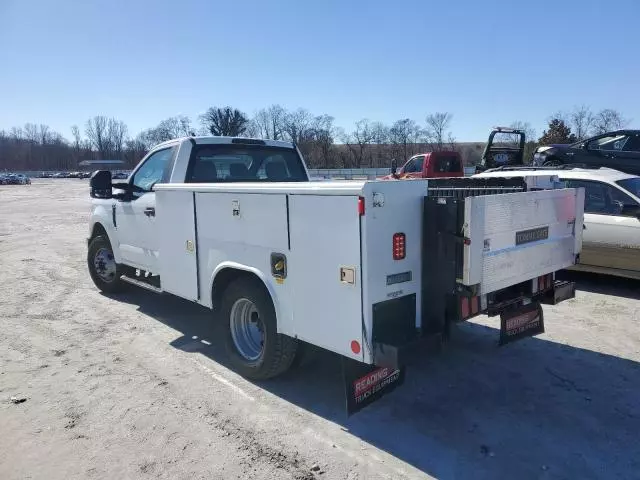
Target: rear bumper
396 351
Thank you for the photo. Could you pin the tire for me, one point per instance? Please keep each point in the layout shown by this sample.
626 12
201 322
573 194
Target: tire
552 162
248 299
108 278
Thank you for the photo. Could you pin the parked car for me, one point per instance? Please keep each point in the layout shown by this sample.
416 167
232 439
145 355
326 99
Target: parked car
611 236
429 165
14 179
619 150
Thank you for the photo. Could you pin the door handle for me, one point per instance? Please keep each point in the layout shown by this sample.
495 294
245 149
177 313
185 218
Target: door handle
150 212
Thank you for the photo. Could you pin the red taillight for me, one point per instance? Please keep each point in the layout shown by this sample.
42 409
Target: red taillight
469 307
399 250
361 206
545 282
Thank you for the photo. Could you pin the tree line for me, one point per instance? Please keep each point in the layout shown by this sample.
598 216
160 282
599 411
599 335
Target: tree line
324 145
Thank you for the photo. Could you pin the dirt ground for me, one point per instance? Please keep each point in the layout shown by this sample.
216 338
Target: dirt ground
137 386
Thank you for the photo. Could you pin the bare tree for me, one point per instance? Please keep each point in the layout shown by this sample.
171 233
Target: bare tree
324 132
117 133
530 133
97 134
224 121
403 135
77 139
359 141
607 120
438 132
44 134
381 139
17 133
297 126
581 121
270 122
168 129
31 132
174 127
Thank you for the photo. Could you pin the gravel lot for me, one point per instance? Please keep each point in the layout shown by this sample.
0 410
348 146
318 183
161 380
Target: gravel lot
137 387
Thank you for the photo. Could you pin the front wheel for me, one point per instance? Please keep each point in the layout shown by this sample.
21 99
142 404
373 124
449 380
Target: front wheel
104 270
255 348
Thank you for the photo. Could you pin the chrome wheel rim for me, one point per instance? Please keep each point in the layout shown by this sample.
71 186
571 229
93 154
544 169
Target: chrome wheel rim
105 265
247 329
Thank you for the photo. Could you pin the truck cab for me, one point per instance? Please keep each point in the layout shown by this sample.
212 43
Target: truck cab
128 215
429 165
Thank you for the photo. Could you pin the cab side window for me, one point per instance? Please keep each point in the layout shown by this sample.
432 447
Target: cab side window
414 165
155 169
601 198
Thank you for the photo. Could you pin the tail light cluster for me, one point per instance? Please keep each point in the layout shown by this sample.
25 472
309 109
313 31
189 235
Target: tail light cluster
399 246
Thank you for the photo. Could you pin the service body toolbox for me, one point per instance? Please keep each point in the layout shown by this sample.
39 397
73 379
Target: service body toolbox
375 268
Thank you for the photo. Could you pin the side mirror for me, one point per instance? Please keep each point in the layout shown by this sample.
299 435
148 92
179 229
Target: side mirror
394 167
630 211
100 184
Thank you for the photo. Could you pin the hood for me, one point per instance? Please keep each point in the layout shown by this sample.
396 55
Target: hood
555 146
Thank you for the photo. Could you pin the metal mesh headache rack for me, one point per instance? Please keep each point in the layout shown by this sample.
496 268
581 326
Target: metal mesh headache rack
473 187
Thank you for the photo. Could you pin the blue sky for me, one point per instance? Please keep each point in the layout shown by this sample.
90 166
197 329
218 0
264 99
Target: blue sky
487 62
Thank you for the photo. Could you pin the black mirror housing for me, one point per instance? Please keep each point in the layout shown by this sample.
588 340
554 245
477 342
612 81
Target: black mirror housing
100 183
630 211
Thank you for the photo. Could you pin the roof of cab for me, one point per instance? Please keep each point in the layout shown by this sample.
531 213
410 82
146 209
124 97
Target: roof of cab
208 140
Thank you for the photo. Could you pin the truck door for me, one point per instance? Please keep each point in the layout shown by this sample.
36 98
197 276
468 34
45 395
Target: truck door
136 213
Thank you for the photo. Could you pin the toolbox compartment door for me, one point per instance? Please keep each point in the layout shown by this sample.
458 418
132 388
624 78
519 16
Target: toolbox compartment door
324 272
514 237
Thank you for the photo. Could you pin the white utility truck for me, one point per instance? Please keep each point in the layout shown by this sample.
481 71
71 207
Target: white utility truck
369 270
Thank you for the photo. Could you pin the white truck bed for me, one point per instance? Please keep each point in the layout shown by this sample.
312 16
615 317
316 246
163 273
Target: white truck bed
339 263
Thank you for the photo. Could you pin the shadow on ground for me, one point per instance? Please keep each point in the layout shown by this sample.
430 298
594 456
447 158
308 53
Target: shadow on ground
533 409
604 284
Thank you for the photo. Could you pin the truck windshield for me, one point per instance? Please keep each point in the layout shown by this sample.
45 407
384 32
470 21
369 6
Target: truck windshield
631 185
225 163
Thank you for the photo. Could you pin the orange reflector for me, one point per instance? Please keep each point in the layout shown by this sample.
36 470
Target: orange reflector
355 347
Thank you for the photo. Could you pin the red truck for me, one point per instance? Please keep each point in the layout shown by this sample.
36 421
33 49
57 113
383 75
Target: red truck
429 165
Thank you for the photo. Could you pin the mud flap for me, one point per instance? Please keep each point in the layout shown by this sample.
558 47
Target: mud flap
364 384
521 322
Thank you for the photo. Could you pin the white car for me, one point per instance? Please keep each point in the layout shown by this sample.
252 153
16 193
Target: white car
611 236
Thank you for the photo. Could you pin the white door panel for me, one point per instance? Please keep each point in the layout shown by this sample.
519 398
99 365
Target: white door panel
325 237
611 241
176 234
136 229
